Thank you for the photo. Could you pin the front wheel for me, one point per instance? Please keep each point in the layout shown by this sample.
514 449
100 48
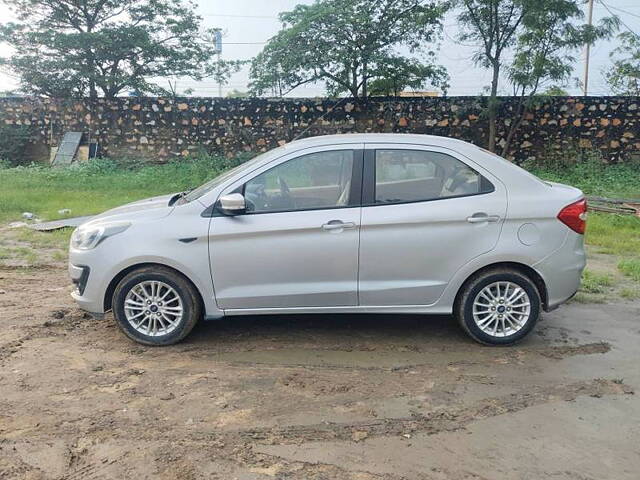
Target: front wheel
156 306
498 307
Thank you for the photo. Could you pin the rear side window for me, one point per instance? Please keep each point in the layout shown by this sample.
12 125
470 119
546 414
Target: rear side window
403 176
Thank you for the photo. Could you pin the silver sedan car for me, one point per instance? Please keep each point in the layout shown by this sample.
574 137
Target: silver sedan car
371 223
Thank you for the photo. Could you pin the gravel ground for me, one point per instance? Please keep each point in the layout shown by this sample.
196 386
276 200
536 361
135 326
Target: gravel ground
313 397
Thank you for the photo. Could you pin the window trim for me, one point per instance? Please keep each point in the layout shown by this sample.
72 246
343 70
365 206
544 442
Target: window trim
355 194
369 179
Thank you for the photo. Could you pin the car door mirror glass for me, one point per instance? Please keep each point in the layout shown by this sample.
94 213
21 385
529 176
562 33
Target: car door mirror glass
232 204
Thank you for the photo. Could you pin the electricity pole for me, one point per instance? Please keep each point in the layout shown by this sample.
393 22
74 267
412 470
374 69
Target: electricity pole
587 53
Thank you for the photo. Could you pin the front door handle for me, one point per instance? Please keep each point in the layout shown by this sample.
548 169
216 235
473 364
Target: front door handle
337 225
482 217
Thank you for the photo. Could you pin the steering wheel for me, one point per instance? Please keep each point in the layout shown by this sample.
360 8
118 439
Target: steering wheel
284 188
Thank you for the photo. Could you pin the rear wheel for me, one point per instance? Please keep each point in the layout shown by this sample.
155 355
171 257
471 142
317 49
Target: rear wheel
156 306
498 307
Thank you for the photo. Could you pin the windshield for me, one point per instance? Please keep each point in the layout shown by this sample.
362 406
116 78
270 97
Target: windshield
223 177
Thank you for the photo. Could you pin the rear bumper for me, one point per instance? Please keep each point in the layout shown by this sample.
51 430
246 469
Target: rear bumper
562 270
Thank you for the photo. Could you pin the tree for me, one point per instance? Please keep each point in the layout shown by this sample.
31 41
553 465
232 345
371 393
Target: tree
79 47
349 43
555 91
235 93
544 52
624 75
530 39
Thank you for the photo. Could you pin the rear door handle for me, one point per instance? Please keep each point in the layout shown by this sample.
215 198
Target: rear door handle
337 225
482 217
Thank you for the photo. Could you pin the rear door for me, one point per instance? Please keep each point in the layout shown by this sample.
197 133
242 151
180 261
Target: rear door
427 211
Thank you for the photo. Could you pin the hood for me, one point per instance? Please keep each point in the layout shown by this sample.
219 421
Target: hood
147 209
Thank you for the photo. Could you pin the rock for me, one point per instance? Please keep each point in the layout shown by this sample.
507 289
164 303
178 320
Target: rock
577 122
58 314
64 211
183 106
247 122
28 215
604 122
402 122
144 140
167 396
614 144
359 435
2 292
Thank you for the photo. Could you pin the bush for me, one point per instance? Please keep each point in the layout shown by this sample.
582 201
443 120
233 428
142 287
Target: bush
13 142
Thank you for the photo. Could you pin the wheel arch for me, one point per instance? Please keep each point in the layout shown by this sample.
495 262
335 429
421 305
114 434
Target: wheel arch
108 295
526 270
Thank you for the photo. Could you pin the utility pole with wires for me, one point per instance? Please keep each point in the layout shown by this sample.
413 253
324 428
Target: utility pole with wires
217 39
587 53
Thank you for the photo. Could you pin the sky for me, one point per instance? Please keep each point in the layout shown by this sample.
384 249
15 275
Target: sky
248 24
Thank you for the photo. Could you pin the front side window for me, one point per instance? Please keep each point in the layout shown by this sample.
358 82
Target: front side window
313 181
414 175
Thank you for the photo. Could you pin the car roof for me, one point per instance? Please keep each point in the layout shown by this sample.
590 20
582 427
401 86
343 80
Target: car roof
408 138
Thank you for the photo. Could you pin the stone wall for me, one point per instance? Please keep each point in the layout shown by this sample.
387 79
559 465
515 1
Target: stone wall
160 128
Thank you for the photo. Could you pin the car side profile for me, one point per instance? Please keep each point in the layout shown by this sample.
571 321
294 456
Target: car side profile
359 223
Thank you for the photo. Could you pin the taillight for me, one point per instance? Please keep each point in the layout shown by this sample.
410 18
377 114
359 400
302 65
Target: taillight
574 216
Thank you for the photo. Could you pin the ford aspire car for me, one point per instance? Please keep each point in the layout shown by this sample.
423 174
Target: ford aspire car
371 223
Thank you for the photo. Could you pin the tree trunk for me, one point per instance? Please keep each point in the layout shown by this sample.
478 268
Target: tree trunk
493 107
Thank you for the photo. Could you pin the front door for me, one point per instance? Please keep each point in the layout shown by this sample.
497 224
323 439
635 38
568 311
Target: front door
297 245
426 213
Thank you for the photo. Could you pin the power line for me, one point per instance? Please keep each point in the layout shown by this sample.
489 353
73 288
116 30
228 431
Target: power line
623 24
239 16
624 11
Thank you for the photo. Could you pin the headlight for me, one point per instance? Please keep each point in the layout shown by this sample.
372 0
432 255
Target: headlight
86 238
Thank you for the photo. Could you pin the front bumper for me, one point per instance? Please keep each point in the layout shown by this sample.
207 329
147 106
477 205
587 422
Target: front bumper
88 294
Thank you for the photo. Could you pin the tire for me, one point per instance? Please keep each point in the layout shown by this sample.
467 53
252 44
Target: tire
487 288
172 318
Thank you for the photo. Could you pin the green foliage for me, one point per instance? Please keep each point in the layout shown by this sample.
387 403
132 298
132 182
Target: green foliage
555 91
614 234
594 282
624 75
349 43
97 185
74 48
13 141
589 173
631 268
533 40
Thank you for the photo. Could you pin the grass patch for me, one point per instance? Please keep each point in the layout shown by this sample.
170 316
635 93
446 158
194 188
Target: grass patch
631 268
630 293
97 185
593 177
614 234
593 282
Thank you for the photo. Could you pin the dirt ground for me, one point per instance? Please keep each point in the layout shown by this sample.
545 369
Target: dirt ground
313 397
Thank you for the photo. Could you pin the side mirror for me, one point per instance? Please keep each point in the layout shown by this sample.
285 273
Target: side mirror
232 204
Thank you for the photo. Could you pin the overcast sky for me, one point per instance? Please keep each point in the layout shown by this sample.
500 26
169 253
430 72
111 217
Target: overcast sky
249 23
